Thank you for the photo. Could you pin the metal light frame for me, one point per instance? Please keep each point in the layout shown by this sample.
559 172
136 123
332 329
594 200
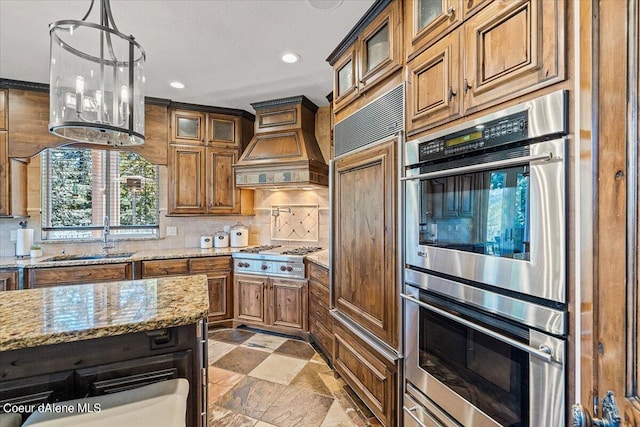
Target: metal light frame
112 111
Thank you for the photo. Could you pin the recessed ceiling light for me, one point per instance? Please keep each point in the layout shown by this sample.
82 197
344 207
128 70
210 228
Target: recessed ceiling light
177 85
290 58
324 4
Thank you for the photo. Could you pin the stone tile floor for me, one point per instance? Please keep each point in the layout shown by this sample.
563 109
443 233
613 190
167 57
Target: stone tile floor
258 379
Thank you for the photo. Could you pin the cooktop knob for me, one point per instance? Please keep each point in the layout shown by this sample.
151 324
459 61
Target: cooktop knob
289 268
283 268
265 266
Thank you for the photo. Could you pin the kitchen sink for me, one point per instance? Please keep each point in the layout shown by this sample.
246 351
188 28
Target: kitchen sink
81 257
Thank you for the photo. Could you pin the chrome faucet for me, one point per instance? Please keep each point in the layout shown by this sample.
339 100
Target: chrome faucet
106 243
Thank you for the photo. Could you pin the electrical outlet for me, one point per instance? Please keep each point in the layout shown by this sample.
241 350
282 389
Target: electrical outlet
14 235
172 231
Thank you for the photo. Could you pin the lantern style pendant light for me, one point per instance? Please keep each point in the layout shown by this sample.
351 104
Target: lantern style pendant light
96 82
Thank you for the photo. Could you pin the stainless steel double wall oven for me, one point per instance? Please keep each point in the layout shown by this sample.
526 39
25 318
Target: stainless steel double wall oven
485 282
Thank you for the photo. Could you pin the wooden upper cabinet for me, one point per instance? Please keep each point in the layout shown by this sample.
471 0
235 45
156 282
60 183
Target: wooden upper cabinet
188 127
345 78
5 176
223 197
379 47
4 101
433 84
373 56
428 20
512 48
187 180
223 130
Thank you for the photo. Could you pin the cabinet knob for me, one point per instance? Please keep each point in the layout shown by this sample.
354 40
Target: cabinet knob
467 86
452 93
451 11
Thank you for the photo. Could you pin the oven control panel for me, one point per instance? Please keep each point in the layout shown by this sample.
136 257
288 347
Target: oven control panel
503 131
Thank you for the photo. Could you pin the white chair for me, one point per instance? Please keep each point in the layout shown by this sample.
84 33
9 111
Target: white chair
162 404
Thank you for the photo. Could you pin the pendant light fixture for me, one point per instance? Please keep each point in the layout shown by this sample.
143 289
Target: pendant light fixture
96 77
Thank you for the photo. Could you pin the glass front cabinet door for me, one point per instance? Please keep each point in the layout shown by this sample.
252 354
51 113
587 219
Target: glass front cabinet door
428 20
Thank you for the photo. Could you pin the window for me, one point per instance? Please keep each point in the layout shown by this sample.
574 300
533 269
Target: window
82 186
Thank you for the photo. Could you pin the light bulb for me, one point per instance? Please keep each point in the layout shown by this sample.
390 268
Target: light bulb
80 85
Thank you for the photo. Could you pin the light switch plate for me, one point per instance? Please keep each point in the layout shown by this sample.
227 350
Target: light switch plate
172 231
14 235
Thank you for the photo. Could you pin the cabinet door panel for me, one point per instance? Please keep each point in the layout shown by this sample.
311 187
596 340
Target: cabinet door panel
428 20
222 194
5 176
4 100
187 180
364 258
345 79
223 130
187 127
512 48
379 47
368 373
249 298
220 303
433 79
289 303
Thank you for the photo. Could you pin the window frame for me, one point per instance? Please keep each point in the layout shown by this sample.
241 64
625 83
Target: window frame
146 231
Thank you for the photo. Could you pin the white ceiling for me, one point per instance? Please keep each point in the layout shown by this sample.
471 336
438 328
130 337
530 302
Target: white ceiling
227 52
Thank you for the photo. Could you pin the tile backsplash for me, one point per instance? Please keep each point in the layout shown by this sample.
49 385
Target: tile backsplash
189 229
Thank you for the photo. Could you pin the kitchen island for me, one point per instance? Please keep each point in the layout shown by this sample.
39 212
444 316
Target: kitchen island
73 341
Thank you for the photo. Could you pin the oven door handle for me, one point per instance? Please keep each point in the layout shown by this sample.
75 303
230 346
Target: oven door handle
543 353
482 166
410 412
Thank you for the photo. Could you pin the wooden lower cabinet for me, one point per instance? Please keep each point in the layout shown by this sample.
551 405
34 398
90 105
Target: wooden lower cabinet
8 279
274 303
320 320
219 280
373 377
55 276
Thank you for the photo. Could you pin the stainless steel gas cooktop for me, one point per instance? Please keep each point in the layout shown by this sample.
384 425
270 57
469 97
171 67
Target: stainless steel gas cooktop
273 260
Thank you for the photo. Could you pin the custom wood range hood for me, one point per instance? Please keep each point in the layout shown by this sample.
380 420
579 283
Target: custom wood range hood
284 152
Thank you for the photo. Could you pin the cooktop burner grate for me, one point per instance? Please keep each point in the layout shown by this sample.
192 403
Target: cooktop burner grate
302 251
258 249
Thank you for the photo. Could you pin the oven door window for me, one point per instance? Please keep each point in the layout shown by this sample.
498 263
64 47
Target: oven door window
485 212
489 374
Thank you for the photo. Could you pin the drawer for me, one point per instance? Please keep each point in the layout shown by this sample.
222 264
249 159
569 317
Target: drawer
319 312
322 336
318 273
369 373
78 274
165 267
319 293
202 265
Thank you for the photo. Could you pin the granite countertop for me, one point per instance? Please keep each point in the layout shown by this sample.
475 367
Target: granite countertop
321 258
36 317
12 262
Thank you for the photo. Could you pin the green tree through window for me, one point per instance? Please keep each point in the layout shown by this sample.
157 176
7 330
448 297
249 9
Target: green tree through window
81 186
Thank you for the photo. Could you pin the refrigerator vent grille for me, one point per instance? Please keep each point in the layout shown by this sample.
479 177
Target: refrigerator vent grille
379 119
